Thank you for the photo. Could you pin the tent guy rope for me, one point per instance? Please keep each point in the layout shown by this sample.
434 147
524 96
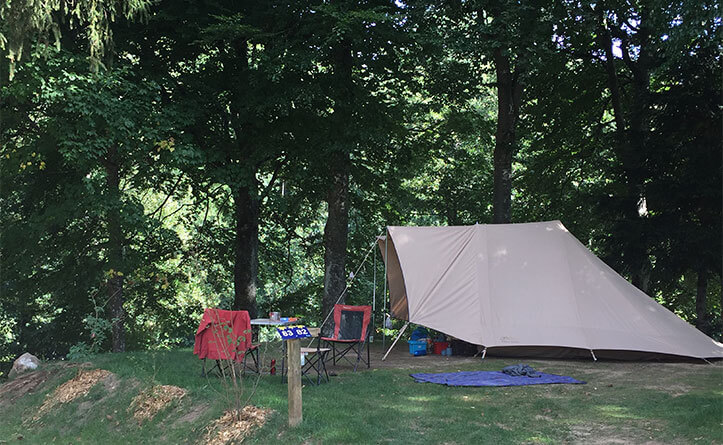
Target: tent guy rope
352 277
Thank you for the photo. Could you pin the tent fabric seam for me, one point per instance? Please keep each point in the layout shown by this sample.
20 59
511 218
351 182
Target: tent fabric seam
574 288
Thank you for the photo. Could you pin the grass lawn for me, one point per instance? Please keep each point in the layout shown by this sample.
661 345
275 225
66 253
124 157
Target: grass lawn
622 403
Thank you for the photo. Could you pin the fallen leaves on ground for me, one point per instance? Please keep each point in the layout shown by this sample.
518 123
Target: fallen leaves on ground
148 403
76 387
234 428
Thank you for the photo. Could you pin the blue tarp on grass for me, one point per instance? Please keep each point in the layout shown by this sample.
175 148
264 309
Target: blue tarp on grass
490 378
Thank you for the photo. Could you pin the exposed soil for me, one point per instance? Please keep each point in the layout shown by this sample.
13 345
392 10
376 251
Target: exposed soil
25 384
659 376
149 403
601 434
193 414
231 428
602 373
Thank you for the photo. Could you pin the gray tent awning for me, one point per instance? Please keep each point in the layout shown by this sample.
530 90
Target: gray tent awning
527 285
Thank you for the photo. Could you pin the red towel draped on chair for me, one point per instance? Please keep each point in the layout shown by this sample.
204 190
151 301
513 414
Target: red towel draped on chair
223 335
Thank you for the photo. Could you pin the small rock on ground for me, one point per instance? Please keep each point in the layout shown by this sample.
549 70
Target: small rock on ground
24 363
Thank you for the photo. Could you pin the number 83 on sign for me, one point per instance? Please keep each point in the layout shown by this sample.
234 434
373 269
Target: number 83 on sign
289 332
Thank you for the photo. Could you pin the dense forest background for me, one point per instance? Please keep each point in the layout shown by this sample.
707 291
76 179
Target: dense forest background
162 157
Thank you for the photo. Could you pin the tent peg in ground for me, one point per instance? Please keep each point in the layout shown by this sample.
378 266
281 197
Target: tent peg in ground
593 355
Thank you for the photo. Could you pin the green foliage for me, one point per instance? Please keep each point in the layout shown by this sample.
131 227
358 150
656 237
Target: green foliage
56 197
24 22
99 329
209 99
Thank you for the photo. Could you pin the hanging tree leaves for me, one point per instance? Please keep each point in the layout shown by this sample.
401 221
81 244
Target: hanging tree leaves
21 21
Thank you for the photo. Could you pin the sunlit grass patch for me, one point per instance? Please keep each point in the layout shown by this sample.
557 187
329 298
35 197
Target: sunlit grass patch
617 411
388 406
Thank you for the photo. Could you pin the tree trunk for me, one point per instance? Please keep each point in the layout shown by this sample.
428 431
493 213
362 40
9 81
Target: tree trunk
336 232
246 265
336 229
4 81
115 251
700 299
246 198
630 148
509 92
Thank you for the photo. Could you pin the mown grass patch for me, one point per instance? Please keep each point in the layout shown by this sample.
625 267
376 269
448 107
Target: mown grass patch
632 402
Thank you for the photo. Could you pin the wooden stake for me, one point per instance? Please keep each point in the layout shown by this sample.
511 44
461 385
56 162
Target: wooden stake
293 349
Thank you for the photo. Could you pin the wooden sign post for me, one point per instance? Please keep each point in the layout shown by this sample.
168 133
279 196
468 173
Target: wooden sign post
292 336
293 349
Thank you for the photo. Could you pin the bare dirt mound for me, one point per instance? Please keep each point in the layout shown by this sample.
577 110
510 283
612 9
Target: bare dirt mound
193 414
31 382
148 403
76 387
25 384
235 428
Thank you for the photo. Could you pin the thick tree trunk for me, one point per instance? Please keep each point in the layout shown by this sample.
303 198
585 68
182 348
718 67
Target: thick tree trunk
509 92
246 265
630 148
246 197
336 230
701 314
115 251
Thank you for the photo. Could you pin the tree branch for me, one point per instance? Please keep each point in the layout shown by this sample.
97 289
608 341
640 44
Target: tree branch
265 193
173 189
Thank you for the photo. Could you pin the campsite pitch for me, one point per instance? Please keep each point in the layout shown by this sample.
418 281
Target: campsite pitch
622 402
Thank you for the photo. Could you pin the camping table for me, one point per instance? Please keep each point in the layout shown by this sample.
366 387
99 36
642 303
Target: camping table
270 322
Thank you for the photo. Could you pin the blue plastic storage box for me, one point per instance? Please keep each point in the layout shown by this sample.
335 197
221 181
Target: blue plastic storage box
418 347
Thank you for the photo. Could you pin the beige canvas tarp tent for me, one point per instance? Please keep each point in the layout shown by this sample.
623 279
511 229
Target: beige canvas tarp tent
528 289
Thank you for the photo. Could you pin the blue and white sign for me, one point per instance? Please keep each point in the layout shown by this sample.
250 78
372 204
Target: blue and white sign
290 332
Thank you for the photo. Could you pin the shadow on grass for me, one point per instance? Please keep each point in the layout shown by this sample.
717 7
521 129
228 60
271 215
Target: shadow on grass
387 406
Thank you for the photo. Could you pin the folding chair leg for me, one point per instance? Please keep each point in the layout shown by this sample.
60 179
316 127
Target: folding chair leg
255 357
358 356
322 367
368 361
323 364
254 353
205 373
317 364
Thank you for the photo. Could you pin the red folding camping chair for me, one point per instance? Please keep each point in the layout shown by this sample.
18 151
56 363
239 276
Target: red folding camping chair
225 335
351 331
